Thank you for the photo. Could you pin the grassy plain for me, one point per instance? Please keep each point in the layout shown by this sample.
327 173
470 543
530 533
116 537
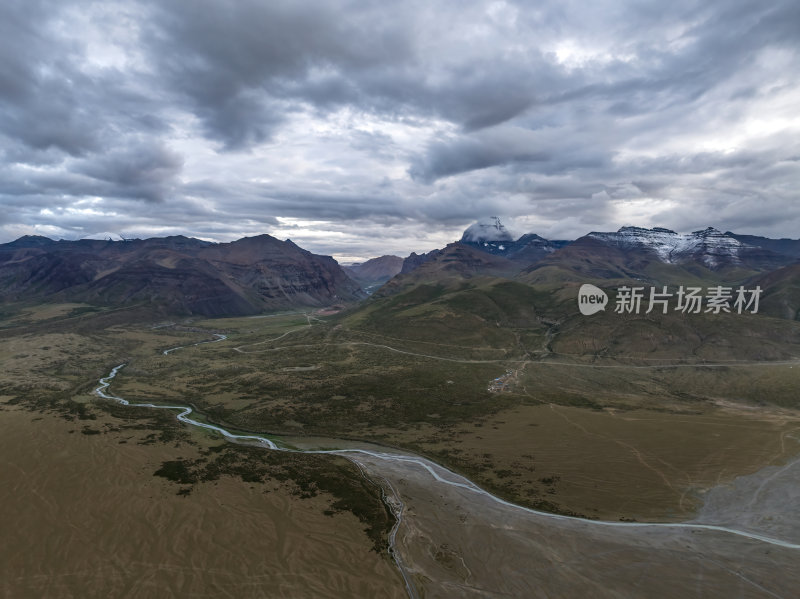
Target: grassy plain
605 435
604 439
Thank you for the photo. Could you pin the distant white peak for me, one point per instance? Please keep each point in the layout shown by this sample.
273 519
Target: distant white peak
490 229
105 236
710 245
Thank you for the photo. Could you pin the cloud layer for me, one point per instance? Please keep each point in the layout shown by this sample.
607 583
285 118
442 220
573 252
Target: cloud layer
361 128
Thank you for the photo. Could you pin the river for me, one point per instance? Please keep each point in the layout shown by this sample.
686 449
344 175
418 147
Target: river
726 553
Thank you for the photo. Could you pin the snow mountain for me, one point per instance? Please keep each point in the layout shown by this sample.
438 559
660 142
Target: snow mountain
491 236
709 247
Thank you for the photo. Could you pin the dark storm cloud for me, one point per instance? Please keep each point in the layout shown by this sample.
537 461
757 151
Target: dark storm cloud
235 61
96 129
540 151
143 170
140 172
39 88
302 201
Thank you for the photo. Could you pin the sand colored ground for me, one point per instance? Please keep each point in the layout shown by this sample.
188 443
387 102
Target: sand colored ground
83 516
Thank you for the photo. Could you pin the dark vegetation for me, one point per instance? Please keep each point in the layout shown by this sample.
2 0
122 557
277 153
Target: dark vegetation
304 475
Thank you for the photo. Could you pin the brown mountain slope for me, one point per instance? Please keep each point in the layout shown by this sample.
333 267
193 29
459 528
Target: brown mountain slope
781 292
174 274
457 261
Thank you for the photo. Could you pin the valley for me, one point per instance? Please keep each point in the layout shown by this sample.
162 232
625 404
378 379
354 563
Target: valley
619 440
465 406
429 300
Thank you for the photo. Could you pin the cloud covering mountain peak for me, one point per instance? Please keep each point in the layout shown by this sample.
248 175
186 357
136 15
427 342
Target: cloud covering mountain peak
488 229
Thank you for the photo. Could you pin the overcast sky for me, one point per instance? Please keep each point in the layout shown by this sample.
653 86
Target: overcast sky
363 128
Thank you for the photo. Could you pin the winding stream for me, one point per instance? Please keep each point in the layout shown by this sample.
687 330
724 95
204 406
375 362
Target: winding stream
219 337
439 475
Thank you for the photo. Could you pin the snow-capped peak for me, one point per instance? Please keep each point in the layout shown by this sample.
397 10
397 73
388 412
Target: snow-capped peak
104 236
709 245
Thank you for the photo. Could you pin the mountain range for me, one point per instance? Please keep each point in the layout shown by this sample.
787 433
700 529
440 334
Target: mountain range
178 275
655 256
183 275
472 293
